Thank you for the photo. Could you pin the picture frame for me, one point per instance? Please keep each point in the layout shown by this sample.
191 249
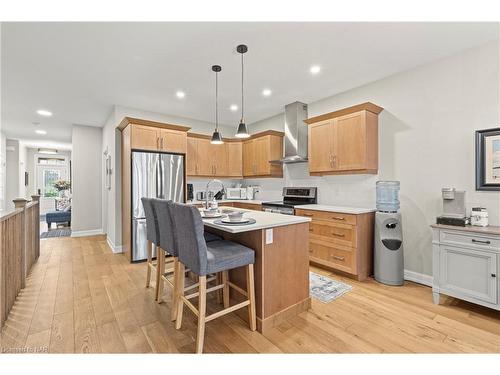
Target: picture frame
488 159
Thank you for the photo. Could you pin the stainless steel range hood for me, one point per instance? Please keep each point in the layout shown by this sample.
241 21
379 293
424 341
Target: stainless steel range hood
295 134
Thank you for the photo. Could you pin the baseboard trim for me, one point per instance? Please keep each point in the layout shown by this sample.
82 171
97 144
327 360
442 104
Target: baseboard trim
114 248
419 278
86 233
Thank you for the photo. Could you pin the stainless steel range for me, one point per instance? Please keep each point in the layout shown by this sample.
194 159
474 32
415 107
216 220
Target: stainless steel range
292 196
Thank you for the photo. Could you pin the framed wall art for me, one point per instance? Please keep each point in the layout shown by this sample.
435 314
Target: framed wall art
488 159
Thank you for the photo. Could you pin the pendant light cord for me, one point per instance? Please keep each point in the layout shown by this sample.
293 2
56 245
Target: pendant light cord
242 101
216 102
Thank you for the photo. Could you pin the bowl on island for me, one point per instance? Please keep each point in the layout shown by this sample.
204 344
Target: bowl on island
235 216
210 212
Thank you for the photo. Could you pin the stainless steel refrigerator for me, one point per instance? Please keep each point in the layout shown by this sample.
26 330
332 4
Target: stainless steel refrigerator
154 175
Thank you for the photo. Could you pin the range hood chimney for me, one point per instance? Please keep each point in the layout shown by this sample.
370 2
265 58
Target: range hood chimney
295 134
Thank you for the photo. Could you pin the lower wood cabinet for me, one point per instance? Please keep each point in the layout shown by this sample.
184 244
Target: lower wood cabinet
465 264
247 206
340 241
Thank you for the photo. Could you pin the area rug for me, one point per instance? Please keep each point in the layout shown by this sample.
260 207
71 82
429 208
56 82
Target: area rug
326 289
60 232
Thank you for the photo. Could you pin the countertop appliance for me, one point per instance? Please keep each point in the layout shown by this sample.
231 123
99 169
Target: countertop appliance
154 175
292 196
236 193
454 210
252 191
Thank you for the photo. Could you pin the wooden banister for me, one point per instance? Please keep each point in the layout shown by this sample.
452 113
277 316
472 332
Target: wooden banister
19 250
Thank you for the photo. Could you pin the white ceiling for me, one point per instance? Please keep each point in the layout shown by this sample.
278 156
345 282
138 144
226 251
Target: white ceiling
80 70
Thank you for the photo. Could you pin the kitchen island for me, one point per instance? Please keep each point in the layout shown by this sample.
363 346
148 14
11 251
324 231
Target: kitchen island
281 245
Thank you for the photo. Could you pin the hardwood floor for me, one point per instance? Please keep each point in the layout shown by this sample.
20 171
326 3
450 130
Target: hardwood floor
82 298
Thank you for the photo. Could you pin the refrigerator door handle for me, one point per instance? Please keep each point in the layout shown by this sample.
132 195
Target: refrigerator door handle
162 192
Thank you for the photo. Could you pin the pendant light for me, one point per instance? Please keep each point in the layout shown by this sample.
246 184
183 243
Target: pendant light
242 128
216 137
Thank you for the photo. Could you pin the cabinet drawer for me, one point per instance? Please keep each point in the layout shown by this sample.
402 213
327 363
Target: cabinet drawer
337 233
333 256
331 216
469 239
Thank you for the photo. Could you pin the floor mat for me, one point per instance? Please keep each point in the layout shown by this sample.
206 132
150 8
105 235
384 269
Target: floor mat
60 232
326 289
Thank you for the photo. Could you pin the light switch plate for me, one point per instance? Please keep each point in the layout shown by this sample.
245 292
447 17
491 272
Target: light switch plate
269 236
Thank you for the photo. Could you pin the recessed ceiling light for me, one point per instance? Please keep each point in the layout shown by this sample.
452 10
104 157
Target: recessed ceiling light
44 112
233 107
180 94
40 131
315 69
266 92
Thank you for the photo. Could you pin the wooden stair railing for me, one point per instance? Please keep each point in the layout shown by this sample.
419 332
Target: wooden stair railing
19 250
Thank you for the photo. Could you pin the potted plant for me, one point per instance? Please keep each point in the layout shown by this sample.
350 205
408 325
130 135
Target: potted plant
62 186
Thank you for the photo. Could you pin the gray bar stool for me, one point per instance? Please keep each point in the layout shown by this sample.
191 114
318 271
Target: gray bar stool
153 238
162 210
206 258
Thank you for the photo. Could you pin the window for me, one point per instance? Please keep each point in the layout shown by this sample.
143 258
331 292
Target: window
49 177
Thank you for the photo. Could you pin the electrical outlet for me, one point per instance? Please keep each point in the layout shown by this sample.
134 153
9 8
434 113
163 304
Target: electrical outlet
269 236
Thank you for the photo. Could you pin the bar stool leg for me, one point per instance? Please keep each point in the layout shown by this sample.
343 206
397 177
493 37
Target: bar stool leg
202 309
180 292
251 298
225 290
150 256
160 269
175 300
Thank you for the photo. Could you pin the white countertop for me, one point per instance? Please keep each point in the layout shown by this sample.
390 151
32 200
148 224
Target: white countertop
344 210
222 201
263 220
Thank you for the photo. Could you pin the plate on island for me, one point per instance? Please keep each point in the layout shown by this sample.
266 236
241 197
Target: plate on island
245 221
203 216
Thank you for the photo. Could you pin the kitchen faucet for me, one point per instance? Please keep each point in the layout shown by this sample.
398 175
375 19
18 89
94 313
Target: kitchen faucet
208 186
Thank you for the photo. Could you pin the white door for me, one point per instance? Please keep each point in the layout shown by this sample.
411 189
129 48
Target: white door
46 176
468 273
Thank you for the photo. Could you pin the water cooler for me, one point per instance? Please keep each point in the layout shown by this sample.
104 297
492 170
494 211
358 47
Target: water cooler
388 257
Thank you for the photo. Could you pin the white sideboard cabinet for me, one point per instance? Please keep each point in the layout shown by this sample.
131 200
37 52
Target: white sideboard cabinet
466 261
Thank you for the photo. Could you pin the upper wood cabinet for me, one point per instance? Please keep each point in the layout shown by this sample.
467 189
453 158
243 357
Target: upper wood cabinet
249 158
155 136
259 151
344 141
234 159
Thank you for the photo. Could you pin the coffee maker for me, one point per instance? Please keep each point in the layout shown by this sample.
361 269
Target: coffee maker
454 210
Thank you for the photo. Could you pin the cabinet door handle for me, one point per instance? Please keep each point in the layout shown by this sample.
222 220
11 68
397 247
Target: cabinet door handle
157 143
311 230
478 241
307 214
338 218
334 160
338 234
493 275
336 257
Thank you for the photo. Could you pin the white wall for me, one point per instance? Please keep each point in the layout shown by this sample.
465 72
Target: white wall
87 180
426 140
3 177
